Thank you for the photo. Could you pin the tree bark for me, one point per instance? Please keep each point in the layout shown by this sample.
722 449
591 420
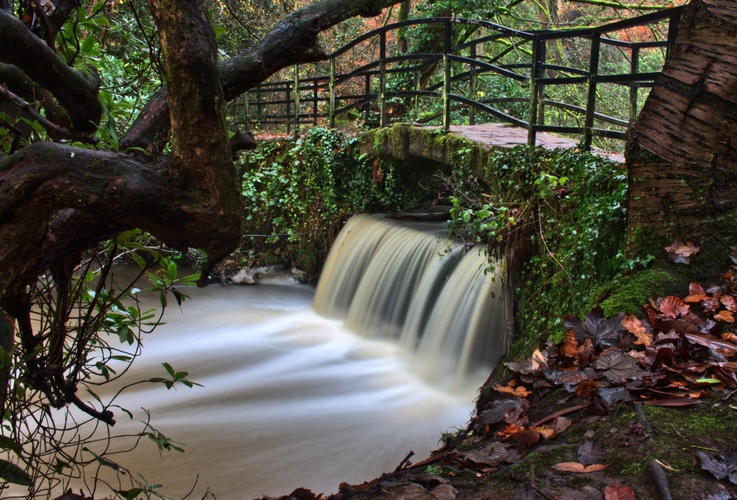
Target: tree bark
682 151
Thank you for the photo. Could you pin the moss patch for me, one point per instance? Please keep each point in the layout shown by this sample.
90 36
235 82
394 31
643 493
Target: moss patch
628 293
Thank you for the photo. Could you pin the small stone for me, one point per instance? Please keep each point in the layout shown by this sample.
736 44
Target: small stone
412 491
589 434
444 492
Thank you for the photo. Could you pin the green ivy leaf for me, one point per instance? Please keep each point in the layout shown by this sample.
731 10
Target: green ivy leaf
14 474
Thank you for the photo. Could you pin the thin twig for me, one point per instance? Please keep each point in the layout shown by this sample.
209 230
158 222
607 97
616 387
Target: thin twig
50 127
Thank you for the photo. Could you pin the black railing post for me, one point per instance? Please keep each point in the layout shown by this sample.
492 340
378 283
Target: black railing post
247 111
382 80
367 93
315 96
673 23
288 103
634 69
331 89
446 75
538 52
591 101
296 101
472 89
259 109
542 57
416 100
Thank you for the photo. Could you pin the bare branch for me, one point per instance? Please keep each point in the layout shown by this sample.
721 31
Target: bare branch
53 129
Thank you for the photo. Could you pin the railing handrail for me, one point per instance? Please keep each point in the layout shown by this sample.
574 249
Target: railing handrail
517 43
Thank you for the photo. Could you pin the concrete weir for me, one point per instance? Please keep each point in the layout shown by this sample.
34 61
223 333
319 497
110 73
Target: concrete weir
405 141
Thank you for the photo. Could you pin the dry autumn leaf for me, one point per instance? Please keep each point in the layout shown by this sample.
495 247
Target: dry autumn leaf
729 302
680 252
579 468
569 347
673 307
617 366
619 492
520 391
731 337
532 365
722 465
695 289
586 353
634 325
725 316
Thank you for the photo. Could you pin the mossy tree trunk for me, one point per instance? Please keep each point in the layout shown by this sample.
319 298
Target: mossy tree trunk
682 151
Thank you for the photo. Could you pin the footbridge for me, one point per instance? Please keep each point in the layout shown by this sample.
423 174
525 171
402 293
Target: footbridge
480 80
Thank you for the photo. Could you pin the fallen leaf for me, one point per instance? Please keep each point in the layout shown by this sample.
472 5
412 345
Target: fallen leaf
557 427
671 402
709 341
729 336
680 252
617 366
619 492
578 467
557 414
491 456
533 364
502 409
586 353
725 316
526 437
634 325
729 302
520 391
673 307
589 453
568 350
721 466
604 332
695 289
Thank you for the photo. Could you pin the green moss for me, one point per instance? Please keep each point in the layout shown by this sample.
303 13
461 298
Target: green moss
700 420
633 468
630 292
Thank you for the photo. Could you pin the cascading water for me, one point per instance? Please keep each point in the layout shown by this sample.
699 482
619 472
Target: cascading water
293 399
405 281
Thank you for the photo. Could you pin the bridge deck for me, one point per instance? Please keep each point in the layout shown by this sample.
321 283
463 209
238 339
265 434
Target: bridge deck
506 135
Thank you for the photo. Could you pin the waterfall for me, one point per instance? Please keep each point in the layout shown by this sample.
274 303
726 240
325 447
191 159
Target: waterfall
407 282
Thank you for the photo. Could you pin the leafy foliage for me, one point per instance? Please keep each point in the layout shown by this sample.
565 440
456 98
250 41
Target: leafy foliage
85 329
561 213
298 194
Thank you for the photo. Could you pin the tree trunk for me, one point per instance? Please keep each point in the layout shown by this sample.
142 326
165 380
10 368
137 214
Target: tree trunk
682 151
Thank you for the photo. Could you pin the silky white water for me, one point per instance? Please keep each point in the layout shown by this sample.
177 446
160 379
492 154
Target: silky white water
289 399
294 399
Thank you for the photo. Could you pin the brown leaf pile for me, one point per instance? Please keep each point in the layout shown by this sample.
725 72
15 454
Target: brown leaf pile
682 349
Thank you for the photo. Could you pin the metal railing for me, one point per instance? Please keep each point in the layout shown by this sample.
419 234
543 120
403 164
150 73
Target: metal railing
531 79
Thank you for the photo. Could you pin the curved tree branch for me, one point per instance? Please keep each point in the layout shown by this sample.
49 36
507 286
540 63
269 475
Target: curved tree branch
75 92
